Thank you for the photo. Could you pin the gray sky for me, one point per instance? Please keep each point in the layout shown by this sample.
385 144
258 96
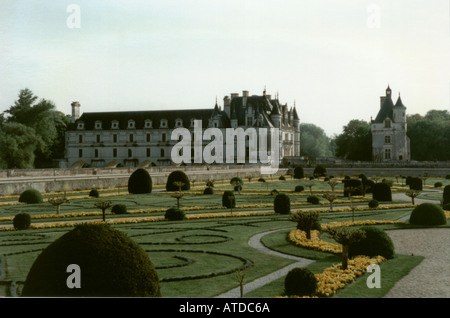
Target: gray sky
334 58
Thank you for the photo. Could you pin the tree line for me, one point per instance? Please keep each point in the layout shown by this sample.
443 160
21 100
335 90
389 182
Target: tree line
32 135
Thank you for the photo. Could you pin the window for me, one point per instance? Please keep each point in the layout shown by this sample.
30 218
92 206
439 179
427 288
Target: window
387 123
249 121
387 139
178 122
80 125
131 137
114 152
96 153
98 124
162 152
163 137
148 138
163 123
387 154
80 153
114 138
148 152
114 124
131 123
130 153
98 138
148 123
80 139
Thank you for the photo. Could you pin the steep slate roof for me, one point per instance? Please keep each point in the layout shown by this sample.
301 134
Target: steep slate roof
259 103
399 102
139 117
385 111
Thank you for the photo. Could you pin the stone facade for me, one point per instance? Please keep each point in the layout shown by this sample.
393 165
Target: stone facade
389 128
143 138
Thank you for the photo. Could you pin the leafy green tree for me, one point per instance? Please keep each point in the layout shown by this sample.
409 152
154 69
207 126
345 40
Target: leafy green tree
314 142
355 142
17 146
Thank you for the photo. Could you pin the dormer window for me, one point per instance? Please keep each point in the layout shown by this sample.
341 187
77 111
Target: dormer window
178 122
80 125
131 124
387 123
148 123
163 123
114 124
98 124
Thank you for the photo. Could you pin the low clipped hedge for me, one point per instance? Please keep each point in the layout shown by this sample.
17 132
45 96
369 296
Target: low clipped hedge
376 242
312 199
428 214
30 196
22 221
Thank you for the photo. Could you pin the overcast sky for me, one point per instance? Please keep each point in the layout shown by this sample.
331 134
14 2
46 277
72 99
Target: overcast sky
334 58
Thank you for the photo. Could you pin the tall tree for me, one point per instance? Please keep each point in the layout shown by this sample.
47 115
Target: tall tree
17 146
355 142
314 142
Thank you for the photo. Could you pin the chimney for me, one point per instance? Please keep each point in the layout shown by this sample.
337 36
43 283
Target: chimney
244 93
233 95
75 111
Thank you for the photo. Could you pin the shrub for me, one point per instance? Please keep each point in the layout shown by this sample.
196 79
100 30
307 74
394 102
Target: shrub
368 185
31 196
447 177
210 184
179 176
415 183
373 203
237 188
94 193
236 181
438 184
312 199
307 221
376 242
282 178
119 209
446 207
320 171
208 190
282 204
352 187
428 214
446 194
298 173
300 282
299 188
382 192
22 221
112 265
362 176
261 180
228 199
140 182
174 214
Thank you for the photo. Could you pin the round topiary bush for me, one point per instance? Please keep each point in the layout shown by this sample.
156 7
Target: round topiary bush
177 176
94 193
274 192
446 194
382 192
30 196
119 209
428 214
299 188
282 178
312 199
320 171
111 265
299 173
228 199
282 203
373 204
438 184
22 221
300 282
140 182
261 180
208 190
174 214
376 242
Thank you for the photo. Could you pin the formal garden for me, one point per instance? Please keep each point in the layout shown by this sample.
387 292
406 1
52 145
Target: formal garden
196 234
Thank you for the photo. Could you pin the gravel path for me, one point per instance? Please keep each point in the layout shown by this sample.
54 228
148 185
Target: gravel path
431 278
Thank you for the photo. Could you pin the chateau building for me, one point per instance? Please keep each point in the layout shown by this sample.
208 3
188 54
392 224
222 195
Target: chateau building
143 138
389 139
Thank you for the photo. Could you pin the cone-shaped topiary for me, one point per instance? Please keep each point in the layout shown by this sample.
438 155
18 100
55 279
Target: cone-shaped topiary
177 176
140 182
376 242
22 221
228 199
428 214
30 196
382 192
110 264
446 194
300 282
282 204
